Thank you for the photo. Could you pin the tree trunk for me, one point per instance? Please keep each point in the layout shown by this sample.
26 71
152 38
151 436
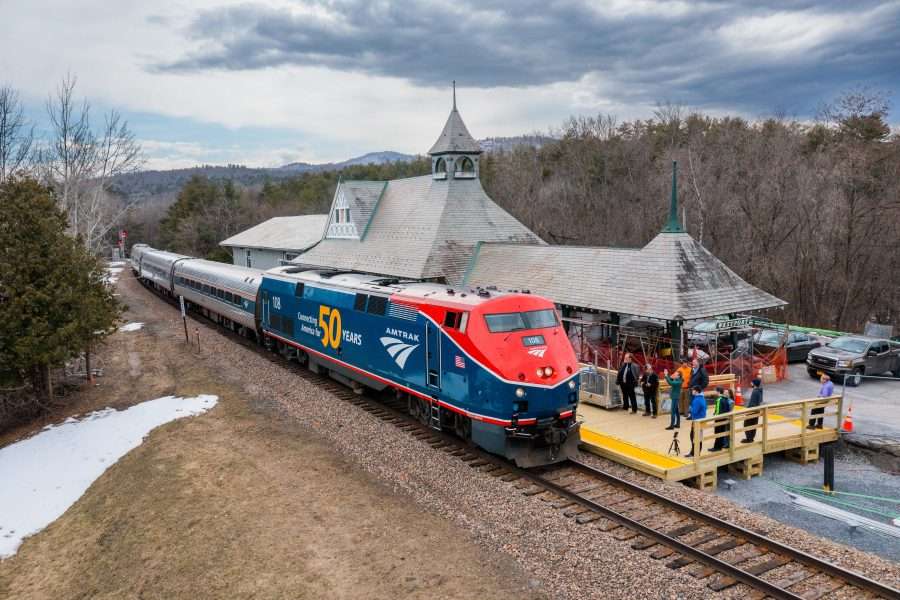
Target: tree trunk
87 365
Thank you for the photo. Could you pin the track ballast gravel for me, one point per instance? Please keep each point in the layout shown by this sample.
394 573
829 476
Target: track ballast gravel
566 559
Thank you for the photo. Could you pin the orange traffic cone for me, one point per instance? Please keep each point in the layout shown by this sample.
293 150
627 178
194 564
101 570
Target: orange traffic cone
739 397
847 426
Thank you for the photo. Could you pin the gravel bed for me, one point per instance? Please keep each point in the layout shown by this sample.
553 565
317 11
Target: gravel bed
864 563
564 559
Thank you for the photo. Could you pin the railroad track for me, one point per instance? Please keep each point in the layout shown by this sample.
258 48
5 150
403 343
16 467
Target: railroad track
709 548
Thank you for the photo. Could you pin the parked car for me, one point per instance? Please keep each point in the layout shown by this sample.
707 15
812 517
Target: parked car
855 354
797 345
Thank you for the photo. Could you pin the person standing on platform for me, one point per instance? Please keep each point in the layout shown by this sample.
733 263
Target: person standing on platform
825 391
627 380
698 411
684 403
699 377
723 406
650 386
675 385
756 398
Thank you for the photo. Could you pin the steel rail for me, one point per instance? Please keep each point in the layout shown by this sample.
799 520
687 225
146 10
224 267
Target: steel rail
851 577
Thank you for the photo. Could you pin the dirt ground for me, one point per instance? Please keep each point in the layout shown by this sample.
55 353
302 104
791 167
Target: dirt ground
237 503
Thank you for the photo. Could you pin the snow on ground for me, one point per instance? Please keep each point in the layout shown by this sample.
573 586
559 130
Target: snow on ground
131 326
112 274
44 475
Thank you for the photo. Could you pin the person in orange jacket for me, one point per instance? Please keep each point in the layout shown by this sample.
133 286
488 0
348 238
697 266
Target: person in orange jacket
684 403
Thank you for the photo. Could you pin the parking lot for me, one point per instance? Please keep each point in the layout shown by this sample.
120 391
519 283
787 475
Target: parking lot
876 402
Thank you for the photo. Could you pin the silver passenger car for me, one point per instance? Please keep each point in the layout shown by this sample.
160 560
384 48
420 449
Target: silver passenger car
156 266
136 251
227 290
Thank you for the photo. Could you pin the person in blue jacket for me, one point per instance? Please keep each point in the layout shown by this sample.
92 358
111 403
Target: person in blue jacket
698 411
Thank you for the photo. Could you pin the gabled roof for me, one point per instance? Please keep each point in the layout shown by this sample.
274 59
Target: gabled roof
423 228
281 233
455 137
360 197
671 278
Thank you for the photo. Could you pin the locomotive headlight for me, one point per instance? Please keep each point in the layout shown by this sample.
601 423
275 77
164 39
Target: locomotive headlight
548 371
540 371
520 392
571 384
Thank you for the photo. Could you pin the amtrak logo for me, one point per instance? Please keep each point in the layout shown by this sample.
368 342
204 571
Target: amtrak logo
398 349
539 352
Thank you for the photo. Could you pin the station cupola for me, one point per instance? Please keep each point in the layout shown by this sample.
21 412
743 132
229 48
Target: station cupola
455 153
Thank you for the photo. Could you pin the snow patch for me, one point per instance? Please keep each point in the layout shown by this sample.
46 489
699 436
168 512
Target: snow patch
112 273
44 475
131 327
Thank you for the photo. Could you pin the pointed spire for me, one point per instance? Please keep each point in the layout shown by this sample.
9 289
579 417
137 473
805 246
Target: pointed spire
455 137
674 225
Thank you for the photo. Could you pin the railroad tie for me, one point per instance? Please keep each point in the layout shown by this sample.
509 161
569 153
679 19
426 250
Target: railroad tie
642 543
768 565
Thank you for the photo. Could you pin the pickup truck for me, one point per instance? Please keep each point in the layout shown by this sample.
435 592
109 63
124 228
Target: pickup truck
855 355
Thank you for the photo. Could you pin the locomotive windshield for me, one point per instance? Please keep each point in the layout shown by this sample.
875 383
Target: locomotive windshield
533 319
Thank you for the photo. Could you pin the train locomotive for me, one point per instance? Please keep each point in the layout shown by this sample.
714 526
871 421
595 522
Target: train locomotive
494 367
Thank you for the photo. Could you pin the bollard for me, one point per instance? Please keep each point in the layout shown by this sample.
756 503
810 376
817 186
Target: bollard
827 451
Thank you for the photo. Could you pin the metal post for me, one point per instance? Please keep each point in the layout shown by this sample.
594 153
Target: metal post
184 319
828 454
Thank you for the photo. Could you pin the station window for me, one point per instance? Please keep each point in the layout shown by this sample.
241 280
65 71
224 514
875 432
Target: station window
377 305
206 289
229 297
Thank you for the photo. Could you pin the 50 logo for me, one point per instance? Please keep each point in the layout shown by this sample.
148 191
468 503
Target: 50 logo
330 324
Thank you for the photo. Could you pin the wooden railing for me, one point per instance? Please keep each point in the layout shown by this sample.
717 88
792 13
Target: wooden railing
736 424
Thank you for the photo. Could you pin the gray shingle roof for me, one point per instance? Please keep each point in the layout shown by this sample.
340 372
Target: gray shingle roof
455 137
422 229
281 233
671 278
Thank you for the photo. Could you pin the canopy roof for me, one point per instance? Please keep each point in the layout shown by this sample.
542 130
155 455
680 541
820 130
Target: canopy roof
672 278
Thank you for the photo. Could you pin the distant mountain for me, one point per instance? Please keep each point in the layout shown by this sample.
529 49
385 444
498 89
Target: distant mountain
372 158
165 185
154 184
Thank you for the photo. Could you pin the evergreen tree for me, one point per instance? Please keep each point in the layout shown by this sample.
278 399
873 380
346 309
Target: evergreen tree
54 302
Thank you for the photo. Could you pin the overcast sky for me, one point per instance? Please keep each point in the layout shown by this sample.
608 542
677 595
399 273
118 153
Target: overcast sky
266 82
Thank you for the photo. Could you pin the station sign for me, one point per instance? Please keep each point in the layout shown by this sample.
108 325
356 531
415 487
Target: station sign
741 323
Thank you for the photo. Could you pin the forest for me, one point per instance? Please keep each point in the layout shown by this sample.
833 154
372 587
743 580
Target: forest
807 210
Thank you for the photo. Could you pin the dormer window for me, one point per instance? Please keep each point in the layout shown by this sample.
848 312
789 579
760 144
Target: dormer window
465 168
440 169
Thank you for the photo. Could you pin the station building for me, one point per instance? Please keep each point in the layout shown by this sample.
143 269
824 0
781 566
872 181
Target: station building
276 241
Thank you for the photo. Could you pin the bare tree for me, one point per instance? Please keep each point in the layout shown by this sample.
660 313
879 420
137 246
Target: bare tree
16 136
81 163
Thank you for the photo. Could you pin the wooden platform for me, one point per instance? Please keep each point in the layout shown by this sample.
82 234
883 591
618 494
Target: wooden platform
644 444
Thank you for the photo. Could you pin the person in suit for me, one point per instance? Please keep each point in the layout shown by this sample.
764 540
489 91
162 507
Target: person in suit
699 376
698 411
756 398
627 380
650 386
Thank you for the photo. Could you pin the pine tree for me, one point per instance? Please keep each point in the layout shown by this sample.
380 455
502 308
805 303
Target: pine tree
54 302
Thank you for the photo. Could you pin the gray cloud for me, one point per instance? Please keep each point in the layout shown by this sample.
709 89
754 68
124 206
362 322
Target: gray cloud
783 56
